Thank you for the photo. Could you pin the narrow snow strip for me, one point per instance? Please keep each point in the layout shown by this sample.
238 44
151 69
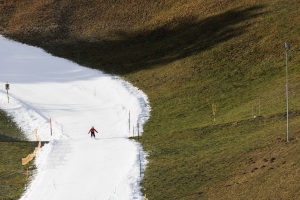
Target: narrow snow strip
74 165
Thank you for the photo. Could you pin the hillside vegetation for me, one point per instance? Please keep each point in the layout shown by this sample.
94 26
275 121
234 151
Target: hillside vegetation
12 149
187 55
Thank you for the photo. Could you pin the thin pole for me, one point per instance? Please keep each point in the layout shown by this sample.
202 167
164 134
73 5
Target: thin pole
214 109
51 126
259 108
138 126
133 130
7 88
129 121
287 97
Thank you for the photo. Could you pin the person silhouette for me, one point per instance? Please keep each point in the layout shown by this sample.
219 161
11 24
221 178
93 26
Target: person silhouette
92 131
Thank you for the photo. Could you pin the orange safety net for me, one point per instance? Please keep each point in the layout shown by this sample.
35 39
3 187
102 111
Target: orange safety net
29 158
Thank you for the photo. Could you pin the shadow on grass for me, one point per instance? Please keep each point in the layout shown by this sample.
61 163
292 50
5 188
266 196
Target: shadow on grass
145 49
5 138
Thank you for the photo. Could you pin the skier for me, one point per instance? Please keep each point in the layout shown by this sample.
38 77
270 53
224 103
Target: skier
92 131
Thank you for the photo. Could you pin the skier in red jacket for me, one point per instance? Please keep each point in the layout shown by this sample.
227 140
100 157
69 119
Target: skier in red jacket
92 131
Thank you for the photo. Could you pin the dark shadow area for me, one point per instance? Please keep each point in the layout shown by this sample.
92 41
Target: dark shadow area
34 143
5 138
150 48
8 129
6 10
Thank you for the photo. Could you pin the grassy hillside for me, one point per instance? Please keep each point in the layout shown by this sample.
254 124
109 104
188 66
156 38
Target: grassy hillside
12 173
8 129
188 55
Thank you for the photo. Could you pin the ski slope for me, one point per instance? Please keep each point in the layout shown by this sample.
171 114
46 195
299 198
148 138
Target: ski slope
73 165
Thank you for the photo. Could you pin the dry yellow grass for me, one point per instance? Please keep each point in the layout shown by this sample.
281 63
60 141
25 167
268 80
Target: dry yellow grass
187 55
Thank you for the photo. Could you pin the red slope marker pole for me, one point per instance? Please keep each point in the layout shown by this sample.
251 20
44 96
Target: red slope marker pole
51 126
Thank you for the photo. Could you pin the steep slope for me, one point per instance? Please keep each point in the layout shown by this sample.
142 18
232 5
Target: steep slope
187 56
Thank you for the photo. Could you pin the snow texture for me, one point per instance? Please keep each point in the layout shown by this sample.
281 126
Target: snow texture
73 165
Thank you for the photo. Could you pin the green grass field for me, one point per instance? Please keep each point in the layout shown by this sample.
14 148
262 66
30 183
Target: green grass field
12 149
12 173
187 56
